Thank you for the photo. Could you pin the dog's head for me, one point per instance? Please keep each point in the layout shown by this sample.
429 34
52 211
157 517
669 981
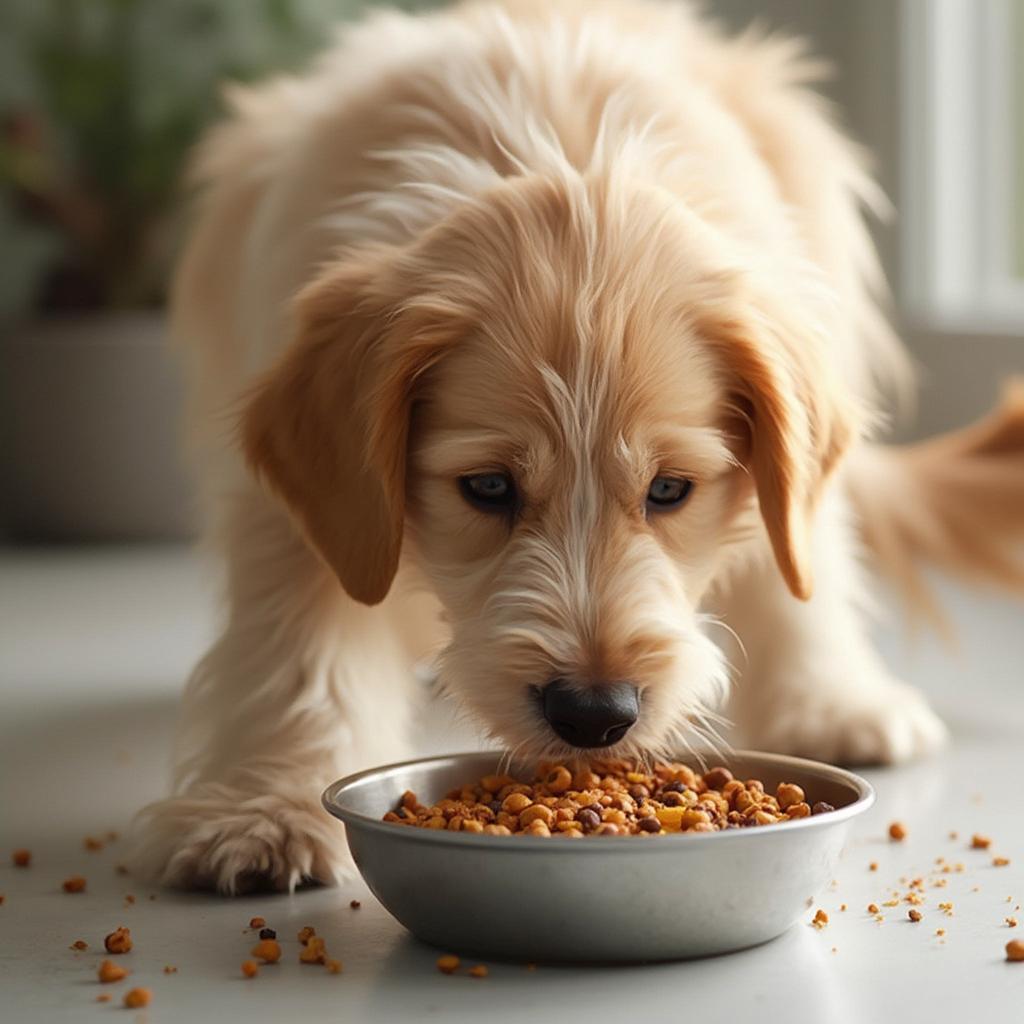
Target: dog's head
565 399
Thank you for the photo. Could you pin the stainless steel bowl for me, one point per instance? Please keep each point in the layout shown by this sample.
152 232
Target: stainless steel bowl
603 898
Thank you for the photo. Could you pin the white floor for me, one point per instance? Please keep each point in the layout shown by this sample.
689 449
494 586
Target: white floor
93 649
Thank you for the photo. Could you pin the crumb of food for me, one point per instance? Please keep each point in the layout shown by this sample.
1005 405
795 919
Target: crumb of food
940 932
1015 950
842 906
108 971
897 831
170 969
267 950
448 964
250 968
129 898
21 858
314 951
980 842
820 919
946 908
92 843
891 903
914 915
610 797
306 933
79 944
954 835
333 966
873 866
354 904
873 908
1000 862
914 897
119 941
103 997
268 933
76 883
479 971
1011 922
136 998
256 922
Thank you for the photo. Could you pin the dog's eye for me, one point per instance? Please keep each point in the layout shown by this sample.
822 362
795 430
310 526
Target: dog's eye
492 492
668 491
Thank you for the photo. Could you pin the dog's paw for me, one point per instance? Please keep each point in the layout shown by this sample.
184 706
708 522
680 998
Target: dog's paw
886 724
214 837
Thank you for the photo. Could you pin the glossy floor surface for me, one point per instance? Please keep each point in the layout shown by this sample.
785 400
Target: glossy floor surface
93 649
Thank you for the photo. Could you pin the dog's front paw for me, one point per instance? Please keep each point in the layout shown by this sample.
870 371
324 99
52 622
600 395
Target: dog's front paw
885 724
215 837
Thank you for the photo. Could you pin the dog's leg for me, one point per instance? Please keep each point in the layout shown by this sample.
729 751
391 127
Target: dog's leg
304 685
812 684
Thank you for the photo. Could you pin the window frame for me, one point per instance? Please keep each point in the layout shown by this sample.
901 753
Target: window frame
960 160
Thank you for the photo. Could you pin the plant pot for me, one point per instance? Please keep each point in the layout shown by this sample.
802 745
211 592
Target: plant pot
89 448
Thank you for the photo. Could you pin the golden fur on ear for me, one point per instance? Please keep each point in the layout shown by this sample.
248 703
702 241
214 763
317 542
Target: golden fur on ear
800 426
327 428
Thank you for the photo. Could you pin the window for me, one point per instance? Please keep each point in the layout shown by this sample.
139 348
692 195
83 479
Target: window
963 164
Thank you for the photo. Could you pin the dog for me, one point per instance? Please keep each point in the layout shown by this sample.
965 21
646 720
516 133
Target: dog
540 339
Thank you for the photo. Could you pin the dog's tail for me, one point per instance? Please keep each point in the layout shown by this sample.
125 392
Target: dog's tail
955 501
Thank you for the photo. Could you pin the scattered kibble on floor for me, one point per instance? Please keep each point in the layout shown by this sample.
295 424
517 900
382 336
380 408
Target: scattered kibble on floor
897 831
448 964
119 941
136 998
76 883
250 968
109 972
256 922
354 904
914 915
267 950
1015 950
79 944
1000 862
979 842
820 919
21 858
479 971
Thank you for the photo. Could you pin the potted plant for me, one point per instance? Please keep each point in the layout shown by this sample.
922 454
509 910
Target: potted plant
100 102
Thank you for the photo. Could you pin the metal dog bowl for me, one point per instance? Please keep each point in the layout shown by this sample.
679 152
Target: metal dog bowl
603 898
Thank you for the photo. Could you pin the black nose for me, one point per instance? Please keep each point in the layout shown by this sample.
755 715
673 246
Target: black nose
594 716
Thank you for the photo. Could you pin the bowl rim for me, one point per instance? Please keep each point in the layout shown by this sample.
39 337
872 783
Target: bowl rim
332 795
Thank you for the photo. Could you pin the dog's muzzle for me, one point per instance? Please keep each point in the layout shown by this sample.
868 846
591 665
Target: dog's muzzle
595 716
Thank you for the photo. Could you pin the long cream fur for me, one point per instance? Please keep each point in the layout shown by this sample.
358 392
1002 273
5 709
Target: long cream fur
582 241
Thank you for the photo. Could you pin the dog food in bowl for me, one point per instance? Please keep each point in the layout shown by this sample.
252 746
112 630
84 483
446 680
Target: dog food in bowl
608 798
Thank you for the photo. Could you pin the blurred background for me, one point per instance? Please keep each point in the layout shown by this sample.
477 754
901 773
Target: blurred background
100 101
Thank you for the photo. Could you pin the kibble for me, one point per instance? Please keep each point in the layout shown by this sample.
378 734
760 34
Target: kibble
137 998
109 972
118 941
611 797
250 968
820 919
448 964
267 950
979 842
914 915
79 944
897 831
257 922
21 858
1000 862
354 904
479 971
76 883
1015 950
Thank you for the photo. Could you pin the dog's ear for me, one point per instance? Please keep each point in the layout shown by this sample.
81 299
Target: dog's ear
327 427
800 423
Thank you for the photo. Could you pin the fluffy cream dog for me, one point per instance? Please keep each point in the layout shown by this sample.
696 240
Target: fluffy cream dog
584 330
